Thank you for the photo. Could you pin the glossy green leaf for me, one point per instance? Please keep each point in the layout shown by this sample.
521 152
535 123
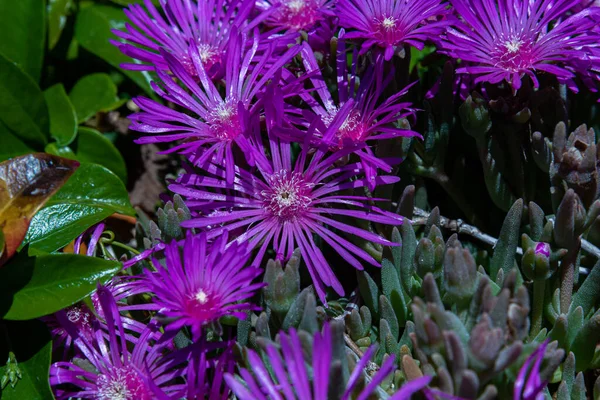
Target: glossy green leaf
22 105
94 93
66 152
93 32
22 29
31 287
57 18
32 347
93 147
12 146
63 119
92 194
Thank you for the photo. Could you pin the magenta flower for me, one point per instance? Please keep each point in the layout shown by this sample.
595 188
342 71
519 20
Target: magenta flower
290 378
79 318
529 384
205 376
204 284
389 24
295 15
125 366
506 40
219 123
285 204
95 234
205 26
357 116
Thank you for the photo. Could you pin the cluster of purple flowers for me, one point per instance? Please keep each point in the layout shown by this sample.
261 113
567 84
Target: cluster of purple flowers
277 159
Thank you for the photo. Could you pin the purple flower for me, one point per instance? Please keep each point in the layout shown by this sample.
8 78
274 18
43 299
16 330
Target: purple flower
286 203
543 249
290 375
80 319
204 25
95 234
296 15
204 284
206 376
356 117
120 365
213 124
387 24
506 40
529 384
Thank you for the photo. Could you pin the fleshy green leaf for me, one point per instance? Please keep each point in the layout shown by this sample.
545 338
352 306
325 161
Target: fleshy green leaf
22 104
589 292
94 93
32 347
22 29
505 250
63 119
31 287
57 17
92 194
93 32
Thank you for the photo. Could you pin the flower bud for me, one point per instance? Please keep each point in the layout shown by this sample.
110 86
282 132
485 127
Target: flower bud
475 116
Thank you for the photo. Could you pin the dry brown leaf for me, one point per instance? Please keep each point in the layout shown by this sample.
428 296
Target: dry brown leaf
26 183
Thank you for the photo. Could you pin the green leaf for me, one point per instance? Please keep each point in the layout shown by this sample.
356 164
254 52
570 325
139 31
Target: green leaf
585 342
93 32
57 17
94 93
22 29
12 146
31 287
63 119
32 346
92 194
94 147
506 248
589 292
66 152
368 291
22 104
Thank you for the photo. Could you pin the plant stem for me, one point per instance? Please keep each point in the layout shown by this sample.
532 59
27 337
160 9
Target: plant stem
124 246
539 289
459 198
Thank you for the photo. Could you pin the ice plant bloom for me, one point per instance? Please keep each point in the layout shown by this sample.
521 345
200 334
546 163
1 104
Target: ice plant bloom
125 366
284 204
79 317
205 283
214 122
290 379
296 15
205 376
529 384
389 24
543 249
357 117
508 39
204 25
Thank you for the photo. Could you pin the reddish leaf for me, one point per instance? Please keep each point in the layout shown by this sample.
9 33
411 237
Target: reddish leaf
26 183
